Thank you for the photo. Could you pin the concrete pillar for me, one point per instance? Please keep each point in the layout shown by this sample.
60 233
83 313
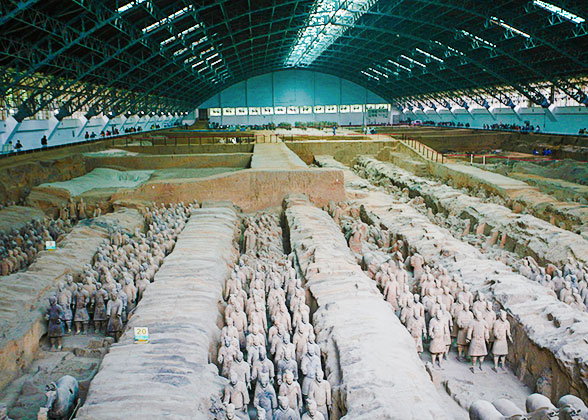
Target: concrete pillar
550 112
54 124
517 113
84 123
11 126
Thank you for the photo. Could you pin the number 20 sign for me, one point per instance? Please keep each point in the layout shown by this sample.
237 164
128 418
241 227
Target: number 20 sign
141 335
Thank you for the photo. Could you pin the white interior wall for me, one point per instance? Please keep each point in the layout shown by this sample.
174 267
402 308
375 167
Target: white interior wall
73 130
568 120
294 88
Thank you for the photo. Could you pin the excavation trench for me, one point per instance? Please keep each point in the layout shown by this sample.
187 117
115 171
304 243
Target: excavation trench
22 331
367 350
81 354
549 352
265 259
180 309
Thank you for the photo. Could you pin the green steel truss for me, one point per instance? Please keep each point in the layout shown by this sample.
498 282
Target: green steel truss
120 56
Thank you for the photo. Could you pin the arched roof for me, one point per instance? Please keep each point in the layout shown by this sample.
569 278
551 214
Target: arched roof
183 51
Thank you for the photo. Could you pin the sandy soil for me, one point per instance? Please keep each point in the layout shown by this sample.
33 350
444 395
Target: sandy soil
102 178
177 173
111 152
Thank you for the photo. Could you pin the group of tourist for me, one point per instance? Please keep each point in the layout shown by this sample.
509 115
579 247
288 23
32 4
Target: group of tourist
527 128
268 349
433 306
18 247
107 291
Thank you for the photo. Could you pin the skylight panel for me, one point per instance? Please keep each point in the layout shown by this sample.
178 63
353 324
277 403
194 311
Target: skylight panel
206 51
502 23
477 38
429 55
328 20
559 11
180 52
130 5
200 41
387 70
181 34
413 61
400 66
168 19
379 73
447 47
370 75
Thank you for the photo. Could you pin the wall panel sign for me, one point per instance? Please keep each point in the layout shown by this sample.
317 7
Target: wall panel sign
254 110
357 108
215 112
344 109
370 106
241 111
279 110
293 110
383 106
267 110
319 109
331 109
306 109
228 111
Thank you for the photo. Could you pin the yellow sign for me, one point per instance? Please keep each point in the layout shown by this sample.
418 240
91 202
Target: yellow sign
141 335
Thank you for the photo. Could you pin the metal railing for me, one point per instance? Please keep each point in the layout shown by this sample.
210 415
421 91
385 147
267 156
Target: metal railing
84 141
423 150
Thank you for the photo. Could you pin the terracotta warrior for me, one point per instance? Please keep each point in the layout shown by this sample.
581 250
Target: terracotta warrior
236 393
501 333
242 369
71 208
114 310
287 364
462 321
55 327
438 331
262 365
477 336
81 209
81 317
226 355
309 365
320 392
312 413
64 300
100 300
265 395
284 412
417 328
291 390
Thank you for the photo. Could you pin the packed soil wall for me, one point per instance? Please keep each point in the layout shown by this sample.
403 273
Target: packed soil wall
343 150
209 160
250 189
171 149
